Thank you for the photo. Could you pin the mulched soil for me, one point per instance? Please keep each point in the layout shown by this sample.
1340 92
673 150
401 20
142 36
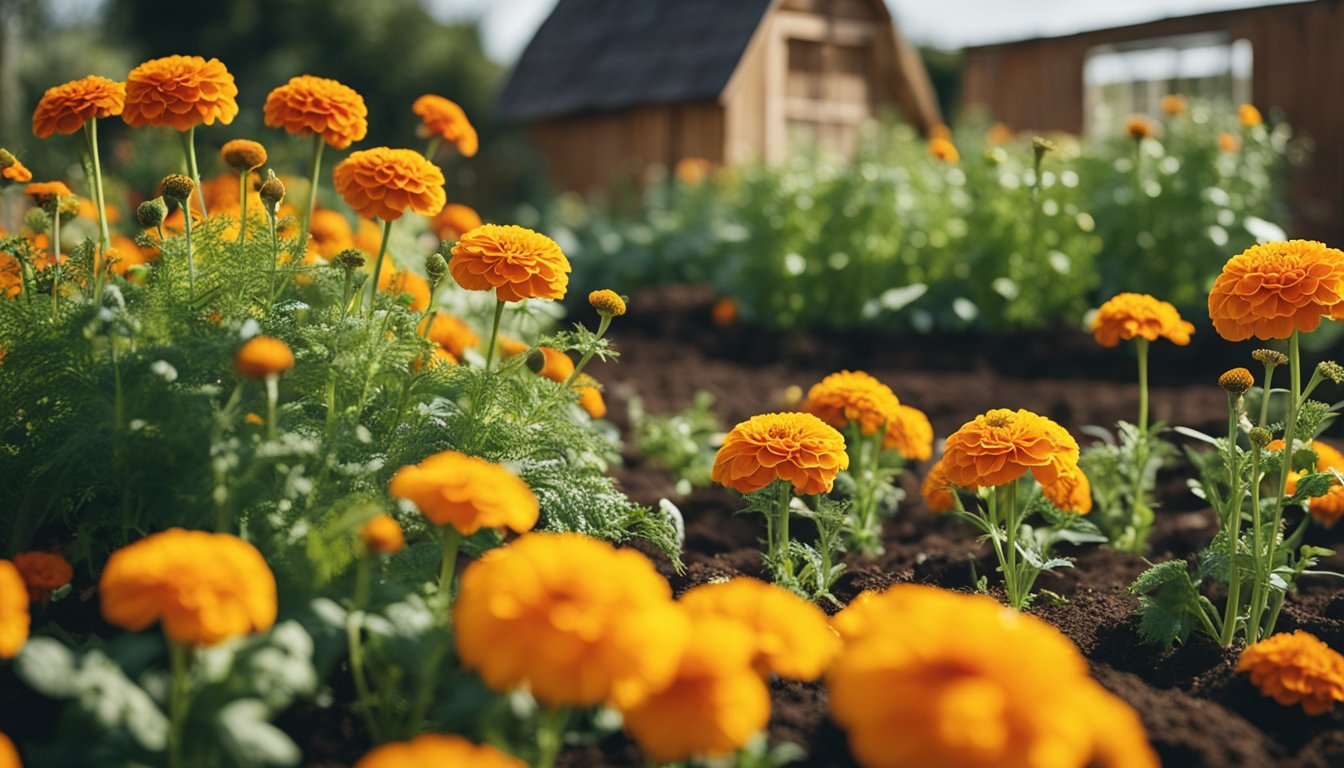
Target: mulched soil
1198 710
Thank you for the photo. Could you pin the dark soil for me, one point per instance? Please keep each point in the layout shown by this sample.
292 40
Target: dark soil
1198 710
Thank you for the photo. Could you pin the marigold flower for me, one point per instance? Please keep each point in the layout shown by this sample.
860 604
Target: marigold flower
1071 491
445 119
607 302
43 573
1174 104
555 365
693 170
796 447
67 107
1228 143
852 397
1001 445
943 149
437 749
450 333
454 221
909 433
1327 509
272 192
511 347
383 534
203 587
590 396
1138 315
998 133
1272 289
1138 128
791 636
1236 381
714 704
262 356
383 183
604 632
11 170
468 493
45 193
940 131
725 312
440 357
14 618
932 677
330 233
180 91
308 106
514 261
939 495
243 155
177 186
9 756
1249 116
1296 668
399 281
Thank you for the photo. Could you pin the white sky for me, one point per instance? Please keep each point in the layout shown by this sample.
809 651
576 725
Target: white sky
508 25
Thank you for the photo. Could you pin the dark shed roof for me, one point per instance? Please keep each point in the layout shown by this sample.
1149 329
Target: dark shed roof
593 55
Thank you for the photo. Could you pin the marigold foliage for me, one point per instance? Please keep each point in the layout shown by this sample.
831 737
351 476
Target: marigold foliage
515 262
308 105
467 493
437 749
795 447
14 618
384 183
1270 290
1138 315
791 636
1296 668
181 92
66 108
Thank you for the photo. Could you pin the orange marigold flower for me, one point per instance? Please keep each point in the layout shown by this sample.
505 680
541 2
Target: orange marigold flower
243 155
1228 143
9 756
852 397
514 261
795 447
1174 104
468 493
180 91
440 357
454 221
590 396
67 107
11 275
725 312
940 131
511 347
909 433
330 233
555 365
1138 127
1138 315
204 587
715 703
944 150
1270 290
450 333
939 495
14 618
404 281
383 183
262 356
607 302
932 677
445 119
1327 509
1249 116
43 573
383 534
1296 668
1001 445
791 636
999 133
309 106
693 170
604 632
1071 491
45 193
1236 380
438 749
11 170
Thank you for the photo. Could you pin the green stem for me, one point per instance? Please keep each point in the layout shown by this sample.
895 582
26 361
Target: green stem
1264 394
275 262
432 148
602 327
191 255
179 700
1017 597
782 527
1257 551
550 736
992 505
494 334
378 266
272 401
452 541
91 137
189 149
55 258
242 215
1286 466
318 145
1142 345
354 638
1232 526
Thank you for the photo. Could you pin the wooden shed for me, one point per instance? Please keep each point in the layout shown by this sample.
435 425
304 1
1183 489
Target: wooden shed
1286 59
609 87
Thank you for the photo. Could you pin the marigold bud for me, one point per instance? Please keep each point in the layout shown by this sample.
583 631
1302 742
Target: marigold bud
1269 357
1331 370
263 356
383 535
151 213
435 268
243 155
272 191
1236 381
349 259
36 220
1041 146
607 303
68 207
177 187
1261 437
7 158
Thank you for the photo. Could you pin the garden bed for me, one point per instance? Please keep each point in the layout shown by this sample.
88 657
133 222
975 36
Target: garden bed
1198 711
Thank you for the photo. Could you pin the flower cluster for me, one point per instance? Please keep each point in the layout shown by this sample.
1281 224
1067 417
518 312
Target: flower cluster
1296 668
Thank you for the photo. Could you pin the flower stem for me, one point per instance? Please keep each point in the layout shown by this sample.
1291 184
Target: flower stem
1142 346
275 262
1232 526
318 146
242 215
91 137
494 334
378 265
272 400
1017 597
602 327
55 258
191 255
354 638
550 736
179 700
448 567
1286 466
189 149
432 148
1257 551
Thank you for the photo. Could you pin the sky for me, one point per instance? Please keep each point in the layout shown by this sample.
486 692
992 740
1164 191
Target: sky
508 25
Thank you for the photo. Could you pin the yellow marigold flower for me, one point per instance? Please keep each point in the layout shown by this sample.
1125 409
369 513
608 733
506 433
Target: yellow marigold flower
384 183
1272 289
796 447
606 632
1296 668
516 262
1138 315
939 495
607 302
468 493
11 170
67 107
438 749
725 312
262 356
1001 445
180 91
944 150
590 396
1139 128
243 155
309 106
852 397
791 635
932 677
714 704
1236 380
1174 104
383 534
450 333
43 573
454 221
204 587
1249 116
14 618
909 433
1071 491
1228 143
9 756
45 193
445 119
1327 509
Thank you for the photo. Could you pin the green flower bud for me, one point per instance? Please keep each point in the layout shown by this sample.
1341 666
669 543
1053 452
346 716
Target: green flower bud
151 213
177 187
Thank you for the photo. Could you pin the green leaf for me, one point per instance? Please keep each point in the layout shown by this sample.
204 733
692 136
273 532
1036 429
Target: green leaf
1159 575
246 734
1311 486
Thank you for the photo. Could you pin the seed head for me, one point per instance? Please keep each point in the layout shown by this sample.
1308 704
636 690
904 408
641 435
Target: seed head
1260 437
1331 370
272 191
1236 381
608 303
68 207
435 268
242 155
349 259
1269 357
1041 146
151 213
177 187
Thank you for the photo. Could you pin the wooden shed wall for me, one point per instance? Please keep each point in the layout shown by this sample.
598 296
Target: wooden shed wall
1298 68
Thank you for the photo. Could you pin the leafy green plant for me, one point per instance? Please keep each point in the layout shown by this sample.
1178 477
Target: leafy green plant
682 443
